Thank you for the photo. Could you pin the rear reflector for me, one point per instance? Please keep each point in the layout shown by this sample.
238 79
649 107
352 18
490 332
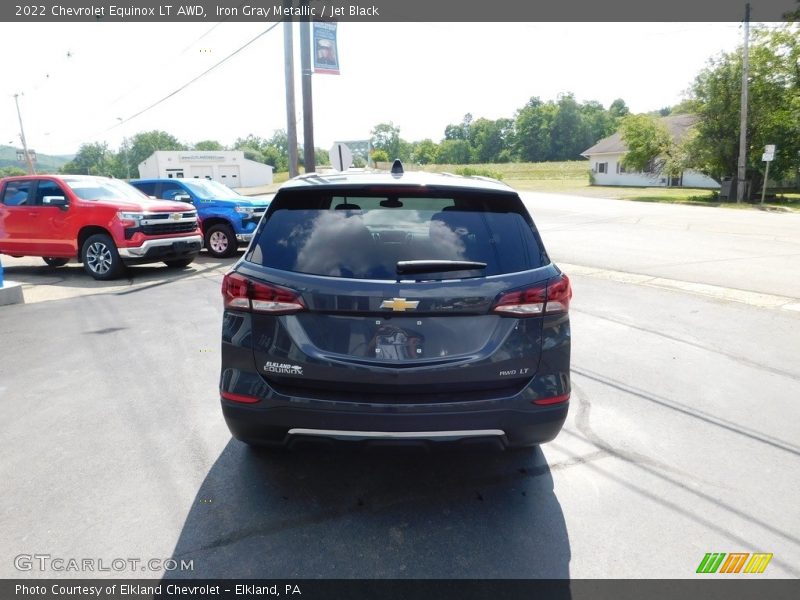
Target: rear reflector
238 397
550 298
241 293
552 400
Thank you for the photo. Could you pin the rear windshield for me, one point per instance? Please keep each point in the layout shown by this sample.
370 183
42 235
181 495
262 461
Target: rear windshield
364 235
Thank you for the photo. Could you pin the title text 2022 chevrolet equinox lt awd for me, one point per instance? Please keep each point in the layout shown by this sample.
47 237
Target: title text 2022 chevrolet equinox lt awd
404 307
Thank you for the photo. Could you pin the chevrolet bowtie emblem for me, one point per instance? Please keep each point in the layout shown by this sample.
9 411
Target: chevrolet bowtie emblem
176 216
399 304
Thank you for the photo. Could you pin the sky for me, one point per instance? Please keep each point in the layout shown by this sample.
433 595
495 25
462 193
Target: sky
83 82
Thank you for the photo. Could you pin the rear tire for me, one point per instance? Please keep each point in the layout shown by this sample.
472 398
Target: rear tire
221 241
179 263
55 262
100 257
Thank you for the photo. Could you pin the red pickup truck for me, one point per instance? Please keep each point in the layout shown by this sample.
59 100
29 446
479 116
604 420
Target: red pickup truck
104 223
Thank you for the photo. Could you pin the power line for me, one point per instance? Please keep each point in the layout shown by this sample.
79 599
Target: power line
142 83
191 81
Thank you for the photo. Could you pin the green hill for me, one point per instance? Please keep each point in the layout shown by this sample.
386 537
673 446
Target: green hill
45 163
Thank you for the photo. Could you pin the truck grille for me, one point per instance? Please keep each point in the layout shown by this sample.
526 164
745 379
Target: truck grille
167 228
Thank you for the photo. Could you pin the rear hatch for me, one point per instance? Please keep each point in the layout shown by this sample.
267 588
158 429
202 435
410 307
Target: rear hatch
393 293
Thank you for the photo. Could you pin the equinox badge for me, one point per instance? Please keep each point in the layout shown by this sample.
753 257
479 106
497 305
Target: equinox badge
400 304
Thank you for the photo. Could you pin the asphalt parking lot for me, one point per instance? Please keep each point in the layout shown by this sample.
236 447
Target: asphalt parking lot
683 436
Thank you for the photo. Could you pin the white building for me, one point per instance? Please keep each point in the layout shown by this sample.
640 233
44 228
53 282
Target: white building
605 159
226 166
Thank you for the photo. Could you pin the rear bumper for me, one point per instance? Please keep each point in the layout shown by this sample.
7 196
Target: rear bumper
163 249
504 428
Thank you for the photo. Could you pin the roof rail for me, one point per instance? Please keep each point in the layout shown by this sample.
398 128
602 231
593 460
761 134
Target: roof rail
490 179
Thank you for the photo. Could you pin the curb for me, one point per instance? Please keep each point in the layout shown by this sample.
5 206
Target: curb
758 299
11 293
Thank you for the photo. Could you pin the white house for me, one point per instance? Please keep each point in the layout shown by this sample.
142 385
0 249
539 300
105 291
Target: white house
226 166
605 158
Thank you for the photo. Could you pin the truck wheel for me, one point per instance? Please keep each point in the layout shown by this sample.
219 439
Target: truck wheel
179 263
55 262
100 257
221 241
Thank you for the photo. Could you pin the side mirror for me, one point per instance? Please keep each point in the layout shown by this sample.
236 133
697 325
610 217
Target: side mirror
59 201
182 198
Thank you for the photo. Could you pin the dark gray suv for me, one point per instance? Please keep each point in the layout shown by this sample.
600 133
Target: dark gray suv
396 308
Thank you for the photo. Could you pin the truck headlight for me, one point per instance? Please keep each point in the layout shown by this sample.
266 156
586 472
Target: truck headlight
130 219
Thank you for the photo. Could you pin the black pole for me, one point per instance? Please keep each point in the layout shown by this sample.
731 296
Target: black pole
291 111
308 111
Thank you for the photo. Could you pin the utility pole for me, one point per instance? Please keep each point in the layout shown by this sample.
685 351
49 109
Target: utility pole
308 111
28 160
288 71
741 172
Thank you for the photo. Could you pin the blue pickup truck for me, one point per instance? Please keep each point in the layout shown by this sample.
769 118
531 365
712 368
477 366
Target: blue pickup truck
228 219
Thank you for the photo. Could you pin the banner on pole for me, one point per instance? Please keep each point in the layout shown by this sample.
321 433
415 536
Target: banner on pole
326 55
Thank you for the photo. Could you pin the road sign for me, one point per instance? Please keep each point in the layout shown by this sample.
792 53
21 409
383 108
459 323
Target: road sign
767 157
341 157
769 149
21 155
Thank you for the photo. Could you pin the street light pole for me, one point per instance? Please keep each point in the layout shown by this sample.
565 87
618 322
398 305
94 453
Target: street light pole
28 160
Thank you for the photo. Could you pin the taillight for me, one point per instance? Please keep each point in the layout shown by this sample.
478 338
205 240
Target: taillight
550 298
239 397
552 400
241 293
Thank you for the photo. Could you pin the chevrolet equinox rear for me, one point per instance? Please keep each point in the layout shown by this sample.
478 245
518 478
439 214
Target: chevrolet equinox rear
400 308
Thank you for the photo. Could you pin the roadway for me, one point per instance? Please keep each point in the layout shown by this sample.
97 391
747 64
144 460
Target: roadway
682 437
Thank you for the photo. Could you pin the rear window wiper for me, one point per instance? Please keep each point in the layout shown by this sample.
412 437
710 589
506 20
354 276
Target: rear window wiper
436 266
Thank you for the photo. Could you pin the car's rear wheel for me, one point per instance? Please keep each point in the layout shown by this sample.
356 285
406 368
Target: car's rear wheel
179 263
55 262
221 241
100 257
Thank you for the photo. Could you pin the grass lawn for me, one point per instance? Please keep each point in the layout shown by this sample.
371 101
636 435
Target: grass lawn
572 177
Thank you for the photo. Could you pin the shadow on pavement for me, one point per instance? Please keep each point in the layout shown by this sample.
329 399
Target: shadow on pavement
31 271
393 513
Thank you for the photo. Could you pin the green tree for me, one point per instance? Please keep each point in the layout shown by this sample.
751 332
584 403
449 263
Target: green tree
773 110
618 110
208 146
91 159
597 122
423 152
386 137
647 140
323 159
142 145
459 131
251 145
379 155
490 140
651 147
568 132
532 125
250 141
453 152
12 171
